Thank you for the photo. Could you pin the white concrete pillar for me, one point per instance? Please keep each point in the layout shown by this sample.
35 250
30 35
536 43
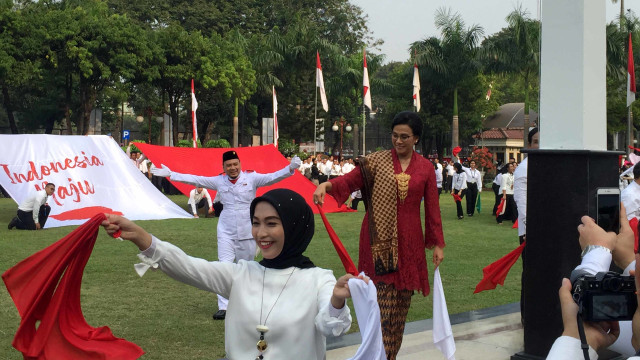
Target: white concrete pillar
573 112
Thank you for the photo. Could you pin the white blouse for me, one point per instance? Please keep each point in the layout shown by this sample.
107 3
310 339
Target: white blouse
298 320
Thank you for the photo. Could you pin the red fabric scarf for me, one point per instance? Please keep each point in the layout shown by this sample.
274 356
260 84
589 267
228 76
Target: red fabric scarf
348 264
496 272
46 288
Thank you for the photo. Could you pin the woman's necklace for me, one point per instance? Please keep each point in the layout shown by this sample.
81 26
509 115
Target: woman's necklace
403 180
262 327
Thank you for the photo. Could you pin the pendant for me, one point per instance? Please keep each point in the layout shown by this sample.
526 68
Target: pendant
262 345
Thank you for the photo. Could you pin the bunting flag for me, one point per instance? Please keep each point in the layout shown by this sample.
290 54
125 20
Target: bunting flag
488 97
275 118
348 264
496 272
194 107
416 87
442 332
366 95
45 288
631 76
320 83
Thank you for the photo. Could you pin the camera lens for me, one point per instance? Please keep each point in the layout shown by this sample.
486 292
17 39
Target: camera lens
612 284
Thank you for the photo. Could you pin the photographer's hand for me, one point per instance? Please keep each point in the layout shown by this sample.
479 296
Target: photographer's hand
592 234
635 322
599 334
623 251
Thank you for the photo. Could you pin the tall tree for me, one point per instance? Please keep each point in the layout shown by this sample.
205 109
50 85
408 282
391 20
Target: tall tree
454 55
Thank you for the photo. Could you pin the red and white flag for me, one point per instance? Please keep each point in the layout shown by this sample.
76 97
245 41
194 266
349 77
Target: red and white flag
194 107
320 83
365 84
416 87
275 118
488 97
631 77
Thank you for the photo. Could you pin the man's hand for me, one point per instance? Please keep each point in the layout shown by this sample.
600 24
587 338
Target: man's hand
196 216
38 226
592 234
211 210
162 171
623 251
295 163
129 230
599 334
635 322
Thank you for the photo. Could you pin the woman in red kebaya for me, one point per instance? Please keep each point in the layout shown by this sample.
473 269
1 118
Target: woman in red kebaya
393 184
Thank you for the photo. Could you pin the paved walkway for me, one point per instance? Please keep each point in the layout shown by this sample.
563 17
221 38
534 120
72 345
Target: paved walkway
487 334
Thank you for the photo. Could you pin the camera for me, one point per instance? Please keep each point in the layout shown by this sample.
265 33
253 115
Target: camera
607 296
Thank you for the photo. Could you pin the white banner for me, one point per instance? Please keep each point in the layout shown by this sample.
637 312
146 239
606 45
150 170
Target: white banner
91 173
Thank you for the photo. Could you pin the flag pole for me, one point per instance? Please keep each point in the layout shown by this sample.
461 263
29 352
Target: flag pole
364 128
315 119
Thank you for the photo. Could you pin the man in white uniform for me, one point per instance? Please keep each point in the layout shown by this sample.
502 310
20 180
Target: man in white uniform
33 211
236 189
630 196
199 198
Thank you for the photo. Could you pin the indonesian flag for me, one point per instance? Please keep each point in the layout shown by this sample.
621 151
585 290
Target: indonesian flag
275 118
488 97
320 83
194 107
416 87
365 84
631 76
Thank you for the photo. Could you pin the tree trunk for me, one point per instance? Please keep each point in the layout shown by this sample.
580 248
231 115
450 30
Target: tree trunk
9 108
88 99
67 106
454 125
174 100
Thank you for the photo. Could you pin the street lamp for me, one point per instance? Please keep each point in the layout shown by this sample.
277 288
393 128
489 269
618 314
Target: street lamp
335 128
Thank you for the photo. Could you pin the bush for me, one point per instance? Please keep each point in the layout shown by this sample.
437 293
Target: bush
220 143
133 147
482 157
288 147
187 143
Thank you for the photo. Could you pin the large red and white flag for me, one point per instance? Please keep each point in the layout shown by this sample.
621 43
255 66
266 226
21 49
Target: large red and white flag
92 175
488 97
416 87
631 77
275 118
320 83
194 107
365 84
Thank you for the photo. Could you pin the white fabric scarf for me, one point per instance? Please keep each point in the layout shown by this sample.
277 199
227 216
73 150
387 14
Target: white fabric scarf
442 333
365 300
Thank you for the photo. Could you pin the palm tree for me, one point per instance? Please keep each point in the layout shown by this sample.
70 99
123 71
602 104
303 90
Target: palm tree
454 55
527 59
621 19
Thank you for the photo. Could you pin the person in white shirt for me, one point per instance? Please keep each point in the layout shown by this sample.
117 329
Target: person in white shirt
328 167
237 189
336 170
630 196
34 210
511 211
474 186
200 198
284 303
599 249
450 172
497 187
459 187
438 177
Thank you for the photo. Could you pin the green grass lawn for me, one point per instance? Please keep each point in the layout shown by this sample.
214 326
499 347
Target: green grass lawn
170 320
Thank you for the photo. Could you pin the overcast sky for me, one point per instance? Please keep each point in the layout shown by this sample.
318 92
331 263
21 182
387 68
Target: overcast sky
401 22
